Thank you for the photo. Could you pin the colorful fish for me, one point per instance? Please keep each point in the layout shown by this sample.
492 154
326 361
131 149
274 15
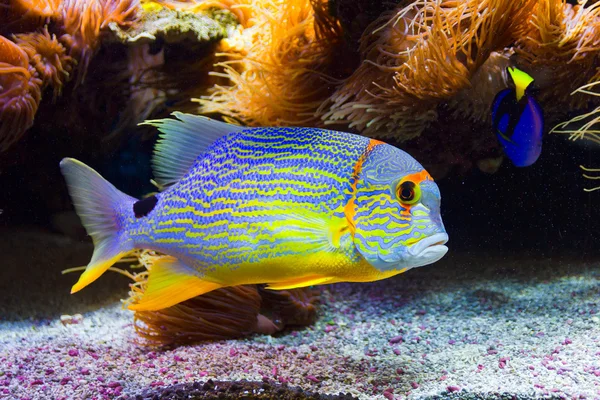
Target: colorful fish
288 207
518 121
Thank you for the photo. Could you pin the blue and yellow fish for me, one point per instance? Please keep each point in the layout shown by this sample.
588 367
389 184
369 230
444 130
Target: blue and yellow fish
287 207
518 121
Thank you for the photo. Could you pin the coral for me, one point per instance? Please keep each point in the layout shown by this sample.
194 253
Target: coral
83 20
417 56
244 10
290 307
173 26
48 57
26 15
280 69
20 93
144 95
561 49
224 313
473 102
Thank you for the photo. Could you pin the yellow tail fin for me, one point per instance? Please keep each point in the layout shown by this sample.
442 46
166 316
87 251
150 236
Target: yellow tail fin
98 204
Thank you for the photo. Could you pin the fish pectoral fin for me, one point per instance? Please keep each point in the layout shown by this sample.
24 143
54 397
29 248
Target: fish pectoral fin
311 280
171 282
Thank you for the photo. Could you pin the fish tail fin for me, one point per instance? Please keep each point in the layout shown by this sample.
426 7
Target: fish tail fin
521 79
99 205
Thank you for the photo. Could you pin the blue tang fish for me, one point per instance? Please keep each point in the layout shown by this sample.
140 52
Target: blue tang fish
286 207
518 121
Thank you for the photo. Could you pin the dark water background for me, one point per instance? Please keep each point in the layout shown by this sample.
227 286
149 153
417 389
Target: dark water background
539 210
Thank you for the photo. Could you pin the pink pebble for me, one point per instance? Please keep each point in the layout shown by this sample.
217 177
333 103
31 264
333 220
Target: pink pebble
313 378
113 384
73 352
396 339
452 389
203 373
414 385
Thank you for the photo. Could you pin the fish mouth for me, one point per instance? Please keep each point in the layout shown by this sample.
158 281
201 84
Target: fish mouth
429 250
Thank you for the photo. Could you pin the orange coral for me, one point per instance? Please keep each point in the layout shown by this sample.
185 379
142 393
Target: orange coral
37 8
48 57
83 20
225 313
473 102
561 49
417 56
281 78
20 93
221 314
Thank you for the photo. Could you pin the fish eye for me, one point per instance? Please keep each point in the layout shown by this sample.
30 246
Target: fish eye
408 192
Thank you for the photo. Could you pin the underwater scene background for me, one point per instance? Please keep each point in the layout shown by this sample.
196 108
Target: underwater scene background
511 311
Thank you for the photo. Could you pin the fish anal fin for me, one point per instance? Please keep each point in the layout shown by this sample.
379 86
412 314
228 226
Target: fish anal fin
171 282
311 280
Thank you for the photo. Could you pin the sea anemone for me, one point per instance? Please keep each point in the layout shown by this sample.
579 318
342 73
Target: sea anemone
26 15
473 102
585 126
48 57
417 56
37 8
83 20
20 93
220 314
283 76
225 313
561 50
290 307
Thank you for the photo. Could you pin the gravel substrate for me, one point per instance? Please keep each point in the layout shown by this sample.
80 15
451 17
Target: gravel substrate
472 326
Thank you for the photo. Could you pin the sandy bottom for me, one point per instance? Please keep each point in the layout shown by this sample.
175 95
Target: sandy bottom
470 326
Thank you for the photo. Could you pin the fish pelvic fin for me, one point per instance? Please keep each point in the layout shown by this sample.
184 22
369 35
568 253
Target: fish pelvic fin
521 79
171 282
98 204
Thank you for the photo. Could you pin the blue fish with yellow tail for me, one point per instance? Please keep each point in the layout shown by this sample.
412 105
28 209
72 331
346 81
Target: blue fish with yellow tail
518 121
286 207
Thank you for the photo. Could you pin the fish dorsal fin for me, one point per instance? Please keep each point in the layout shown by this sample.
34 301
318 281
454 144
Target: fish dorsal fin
181 141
